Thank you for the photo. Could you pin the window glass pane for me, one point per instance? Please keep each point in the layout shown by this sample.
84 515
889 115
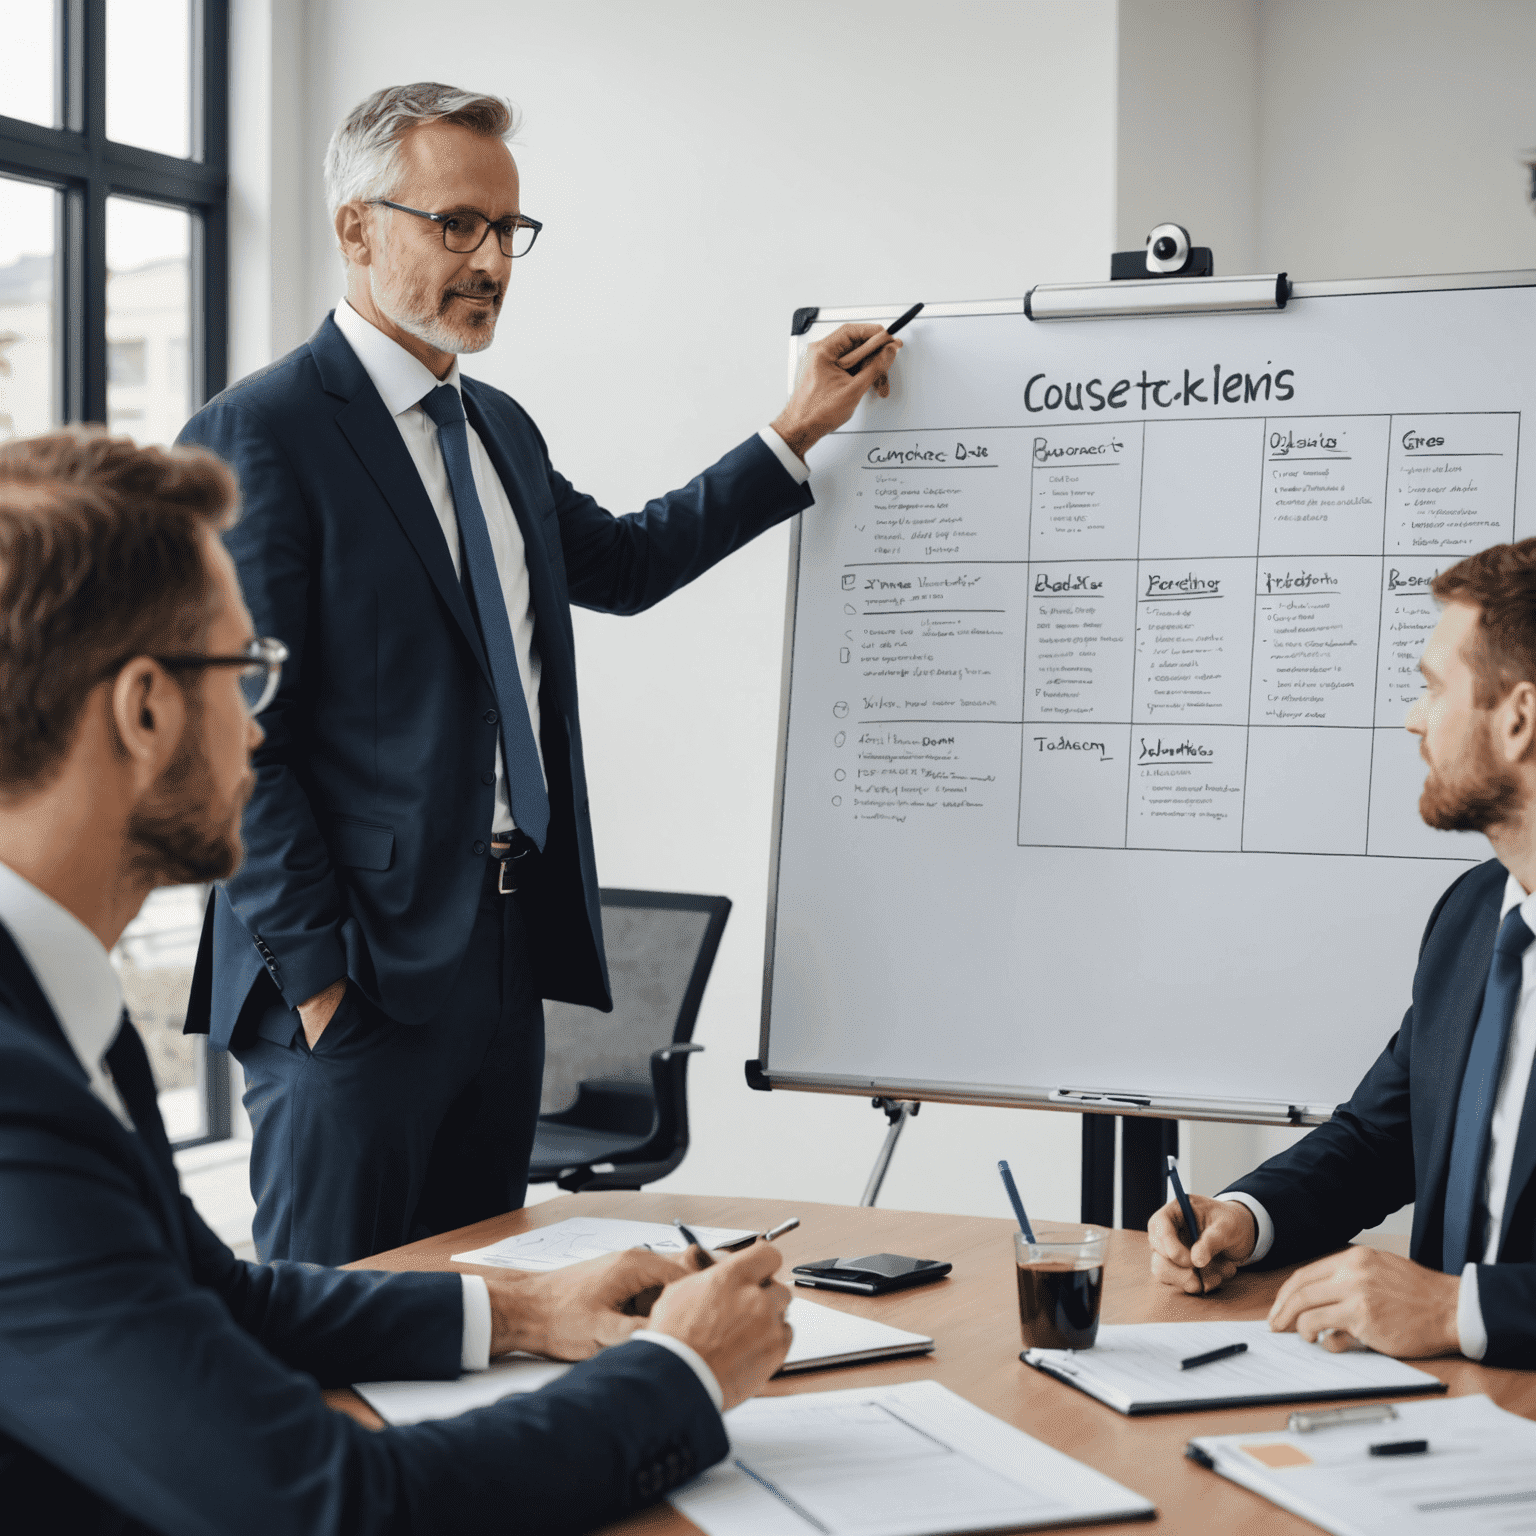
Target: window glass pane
28 72
29 309
149 74
154 960
148 319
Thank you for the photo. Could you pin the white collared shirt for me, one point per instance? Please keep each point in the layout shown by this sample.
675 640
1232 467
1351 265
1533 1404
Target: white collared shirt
1508 1107
402 381
69 964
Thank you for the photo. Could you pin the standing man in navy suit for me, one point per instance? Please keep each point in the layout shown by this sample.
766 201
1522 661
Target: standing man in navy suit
1446 1118
420 871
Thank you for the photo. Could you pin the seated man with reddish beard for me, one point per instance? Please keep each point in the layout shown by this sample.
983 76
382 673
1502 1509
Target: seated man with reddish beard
1446 1118
149 1380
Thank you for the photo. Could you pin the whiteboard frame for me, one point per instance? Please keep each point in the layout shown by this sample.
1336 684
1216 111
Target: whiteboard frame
1246 1111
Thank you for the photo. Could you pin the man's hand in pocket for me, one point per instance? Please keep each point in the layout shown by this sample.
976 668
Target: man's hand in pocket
320 1009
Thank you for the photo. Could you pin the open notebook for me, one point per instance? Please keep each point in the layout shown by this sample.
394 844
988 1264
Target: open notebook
1134 1368
823 1337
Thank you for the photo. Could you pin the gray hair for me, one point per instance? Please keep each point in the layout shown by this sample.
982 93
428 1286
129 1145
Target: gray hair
362 159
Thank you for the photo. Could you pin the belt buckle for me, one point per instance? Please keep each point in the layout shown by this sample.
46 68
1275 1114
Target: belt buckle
503 878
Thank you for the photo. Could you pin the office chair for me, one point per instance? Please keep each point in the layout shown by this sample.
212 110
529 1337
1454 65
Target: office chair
614 1111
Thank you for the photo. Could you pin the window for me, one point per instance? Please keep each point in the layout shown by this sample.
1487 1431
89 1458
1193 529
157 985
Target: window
114 308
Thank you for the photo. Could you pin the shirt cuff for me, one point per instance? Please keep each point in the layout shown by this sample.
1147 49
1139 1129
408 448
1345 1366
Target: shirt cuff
1470 1330
689 1356
1266 1239
476 1352
794 465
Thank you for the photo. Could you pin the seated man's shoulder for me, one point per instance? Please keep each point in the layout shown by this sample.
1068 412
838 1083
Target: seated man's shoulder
1466 896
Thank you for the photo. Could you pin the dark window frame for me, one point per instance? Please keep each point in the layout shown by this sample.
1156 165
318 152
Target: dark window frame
80 162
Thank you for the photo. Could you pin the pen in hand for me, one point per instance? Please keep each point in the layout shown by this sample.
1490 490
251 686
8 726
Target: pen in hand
853 363
1188 1212
706 1258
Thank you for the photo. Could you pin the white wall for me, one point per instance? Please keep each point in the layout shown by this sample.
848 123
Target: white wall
703 169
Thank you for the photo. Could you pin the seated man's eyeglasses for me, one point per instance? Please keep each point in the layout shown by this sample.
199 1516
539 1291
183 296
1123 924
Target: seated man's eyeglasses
464 230
261 669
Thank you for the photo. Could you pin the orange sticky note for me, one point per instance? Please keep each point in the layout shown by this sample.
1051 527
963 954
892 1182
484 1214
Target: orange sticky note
1277 1454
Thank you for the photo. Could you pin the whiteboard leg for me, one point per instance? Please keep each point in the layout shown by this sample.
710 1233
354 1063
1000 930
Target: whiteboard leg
898 1112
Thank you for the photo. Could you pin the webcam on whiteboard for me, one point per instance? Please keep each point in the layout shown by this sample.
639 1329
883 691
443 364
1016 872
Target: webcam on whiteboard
1167 253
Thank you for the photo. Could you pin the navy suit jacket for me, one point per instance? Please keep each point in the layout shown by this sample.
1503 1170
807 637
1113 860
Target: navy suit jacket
365 839
151 1381
1391 1143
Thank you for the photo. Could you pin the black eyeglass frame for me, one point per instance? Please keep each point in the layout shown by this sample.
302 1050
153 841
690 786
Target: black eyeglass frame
261 655
519 221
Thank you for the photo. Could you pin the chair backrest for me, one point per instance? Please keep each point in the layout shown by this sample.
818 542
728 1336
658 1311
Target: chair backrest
661 947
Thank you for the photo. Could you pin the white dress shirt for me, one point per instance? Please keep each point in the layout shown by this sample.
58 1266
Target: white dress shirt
1508 1106
402 381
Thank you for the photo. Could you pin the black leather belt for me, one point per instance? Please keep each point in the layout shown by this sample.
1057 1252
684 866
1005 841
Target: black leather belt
518 856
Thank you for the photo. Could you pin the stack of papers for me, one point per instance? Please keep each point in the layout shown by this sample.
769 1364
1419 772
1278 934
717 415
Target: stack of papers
912 1460
589 1237
1134 1368
823 1337
1479 1473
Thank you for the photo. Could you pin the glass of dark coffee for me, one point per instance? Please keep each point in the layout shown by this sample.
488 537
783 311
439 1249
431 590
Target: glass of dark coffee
1061 1282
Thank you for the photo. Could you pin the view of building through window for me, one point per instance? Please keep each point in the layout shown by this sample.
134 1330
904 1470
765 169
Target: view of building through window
29 309
27 67
148 319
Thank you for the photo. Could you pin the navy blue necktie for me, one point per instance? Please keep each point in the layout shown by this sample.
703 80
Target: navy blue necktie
520 756
1466 1219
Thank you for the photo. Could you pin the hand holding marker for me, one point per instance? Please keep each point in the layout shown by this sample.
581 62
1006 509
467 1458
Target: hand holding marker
1188 1212
861 355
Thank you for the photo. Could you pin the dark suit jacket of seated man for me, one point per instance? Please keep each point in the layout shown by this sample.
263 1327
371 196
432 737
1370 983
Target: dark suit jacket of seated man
390 777
149 1380
1446 1117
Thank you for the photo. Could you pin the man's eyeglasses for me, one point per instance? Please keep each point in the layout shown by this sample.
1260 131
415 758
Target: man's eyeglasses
261 669
465 230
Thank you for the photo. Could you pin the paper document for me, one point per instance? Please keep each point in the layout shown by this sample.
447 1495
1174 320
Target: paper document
912 1460
823 1337
410 1402
1479 1473
1134 1368
588 1237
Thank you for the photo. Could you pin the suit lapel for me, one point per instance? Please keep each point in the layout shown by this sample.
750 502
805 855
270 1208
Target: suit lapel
1461 1015
131 1077
550 609
375 438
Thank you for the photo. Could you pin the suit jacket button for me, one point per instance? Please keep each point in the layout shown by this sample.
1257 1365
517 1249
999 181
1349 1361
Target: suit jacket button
479 848
487 778
490 717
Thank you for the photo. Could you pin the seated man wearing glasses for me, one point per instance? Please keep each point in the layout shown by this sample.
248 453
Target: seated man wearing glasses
419 868
149 1380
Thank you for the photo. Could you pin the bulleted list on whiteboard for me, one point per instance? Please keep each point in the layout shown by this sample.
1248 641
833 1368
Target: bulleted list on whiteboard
1204 634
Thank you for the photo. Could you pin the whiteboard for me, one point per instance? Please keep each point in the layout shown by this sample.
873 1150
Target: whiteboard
1093 784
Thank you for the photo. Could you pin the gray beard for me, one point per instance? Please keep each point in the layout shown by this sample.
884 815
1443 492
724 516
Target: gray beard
428 328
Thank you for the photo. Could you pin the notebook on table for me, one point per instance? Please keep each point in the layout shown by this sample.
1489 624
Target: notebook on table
1134 1368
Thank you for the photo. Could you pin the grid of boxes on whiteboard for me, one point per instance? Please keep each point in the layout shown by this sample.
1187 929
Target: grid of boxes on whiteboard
1218 617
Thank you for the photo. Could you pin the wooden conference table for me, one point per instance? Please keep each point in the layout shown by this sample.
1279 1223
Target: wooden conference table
973 1318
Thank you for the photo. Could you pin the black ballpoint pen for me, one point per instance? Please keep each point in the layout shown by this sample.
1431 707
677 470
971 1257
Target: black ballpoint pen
1211 1355
1188 1213
706 1258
